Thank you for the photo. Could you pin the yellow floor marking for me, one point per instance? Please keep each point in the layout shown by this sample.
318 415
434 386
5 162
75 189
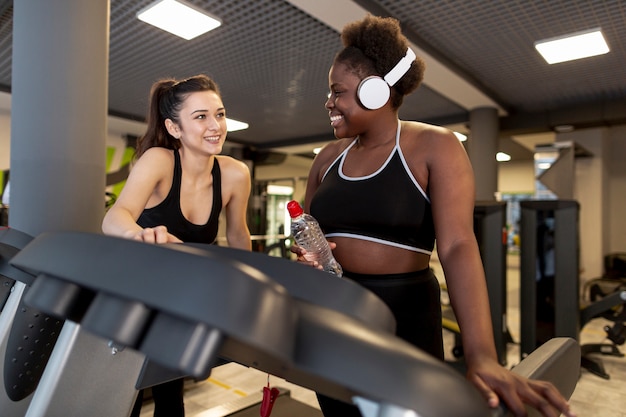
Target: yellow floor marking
218 383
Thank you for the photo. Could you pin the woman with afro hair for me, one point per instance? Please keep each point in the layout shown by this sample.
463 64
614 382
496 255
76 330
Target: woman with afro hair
384 191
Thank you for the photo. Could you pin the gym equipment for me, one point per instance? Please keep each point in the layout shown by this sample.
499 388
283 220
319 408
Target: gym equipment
250 406
258 313
490 231
549 287
606 299
557 361
27 336
327 290
107 276
374 91
611 289
4 215
548 272
134 295
324 289
11 241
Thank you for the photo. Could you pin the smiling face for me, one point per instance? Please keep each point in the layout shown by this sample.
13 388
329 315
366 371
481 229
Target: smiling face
347 116
202 123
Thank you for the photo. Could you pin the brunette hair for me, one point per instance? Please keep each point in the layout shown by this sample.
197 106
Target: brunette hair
166 100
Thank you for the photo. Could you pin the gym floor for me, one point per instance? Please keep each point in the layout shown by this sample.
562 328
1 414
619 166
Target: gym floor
233 385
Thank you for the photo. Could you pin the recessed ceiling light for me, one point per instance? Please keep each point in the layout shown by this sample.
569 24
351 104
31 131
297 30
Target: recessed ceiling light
233 125
574 46
503 157
181 19
564 128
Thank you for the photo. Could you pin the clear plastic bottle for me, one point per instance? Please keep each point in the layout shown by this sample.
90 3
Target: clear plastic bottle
308 235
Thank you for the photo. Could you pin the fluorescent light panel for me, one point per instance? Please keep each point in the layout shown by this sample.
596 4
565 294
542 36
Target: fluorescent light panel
503 157
273 189
233 125
575 46
178 18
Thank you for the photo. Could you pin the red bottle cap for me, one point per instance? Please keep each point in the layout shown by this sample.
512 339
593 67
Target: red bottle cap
294 209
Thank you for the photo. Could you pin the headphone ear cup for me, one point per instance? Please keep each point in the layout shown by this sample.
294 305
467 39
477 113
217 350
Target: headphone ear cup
373 92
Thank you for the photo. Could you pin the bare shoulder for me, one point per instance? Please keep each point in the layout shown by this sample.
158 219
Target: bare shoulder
157 156
233 167
329 153
156 162
334 148
150 175
432 134
429 140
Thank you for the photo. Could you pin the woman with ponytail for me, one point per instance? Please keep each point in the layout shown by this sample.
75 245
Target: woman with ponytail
179 185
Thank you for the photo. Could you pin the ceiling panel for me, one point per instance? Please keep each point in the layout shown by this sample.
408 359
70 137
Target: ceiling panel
492 42
271 59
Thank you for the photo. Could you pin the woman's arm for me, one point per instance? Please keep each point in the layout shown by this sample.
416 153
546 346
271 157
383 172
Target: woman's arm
320 164
142 185
238 183
452 192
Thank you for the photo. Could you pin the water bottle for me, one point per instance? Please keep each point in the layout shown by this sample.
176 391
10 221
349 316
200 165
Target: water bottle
308 235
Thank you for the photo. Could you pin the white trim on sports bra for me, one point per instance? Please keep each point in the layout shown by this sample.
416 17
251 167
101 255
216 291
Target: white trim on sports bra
342 157
377 240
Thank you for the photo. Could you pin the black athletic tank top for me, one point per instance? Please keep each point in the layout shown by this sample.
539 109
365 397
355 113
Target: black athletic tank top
169 214
387 207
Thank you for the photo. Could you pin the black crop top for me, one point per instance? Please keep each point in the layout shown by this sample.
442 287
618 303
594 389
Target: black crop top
169 214
387 207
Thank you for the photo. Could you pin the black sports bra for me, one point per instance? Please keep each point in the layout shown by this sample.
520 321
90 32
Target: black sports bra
388 206
169 213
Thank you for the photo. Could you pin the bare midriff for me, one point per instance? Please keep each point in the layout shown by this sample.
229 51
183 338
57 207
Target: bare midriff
365 257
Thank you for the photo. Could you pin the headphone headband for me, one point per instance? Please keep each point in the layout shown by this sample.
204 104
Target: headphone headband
401 68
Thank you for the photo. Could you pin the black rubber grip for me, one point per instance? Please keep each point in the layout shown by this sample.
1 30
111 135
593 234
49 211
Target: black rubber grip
32 338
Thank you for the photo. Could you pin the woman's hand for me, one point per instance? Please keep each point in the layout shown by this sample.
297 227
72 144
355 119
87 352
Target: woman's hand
301 255
496 383
157 234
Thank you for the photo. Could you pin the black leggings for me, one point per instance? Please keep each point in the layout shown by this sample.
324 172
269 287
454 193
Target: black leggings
414 300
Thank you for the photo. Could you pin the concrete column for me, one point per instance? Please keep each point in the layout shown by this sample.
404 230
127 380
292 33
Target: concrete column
482 147
591 190
59 114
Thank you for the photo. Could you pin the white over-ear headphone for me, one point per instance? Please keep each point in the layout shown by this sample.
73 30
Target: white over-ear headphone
374 91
